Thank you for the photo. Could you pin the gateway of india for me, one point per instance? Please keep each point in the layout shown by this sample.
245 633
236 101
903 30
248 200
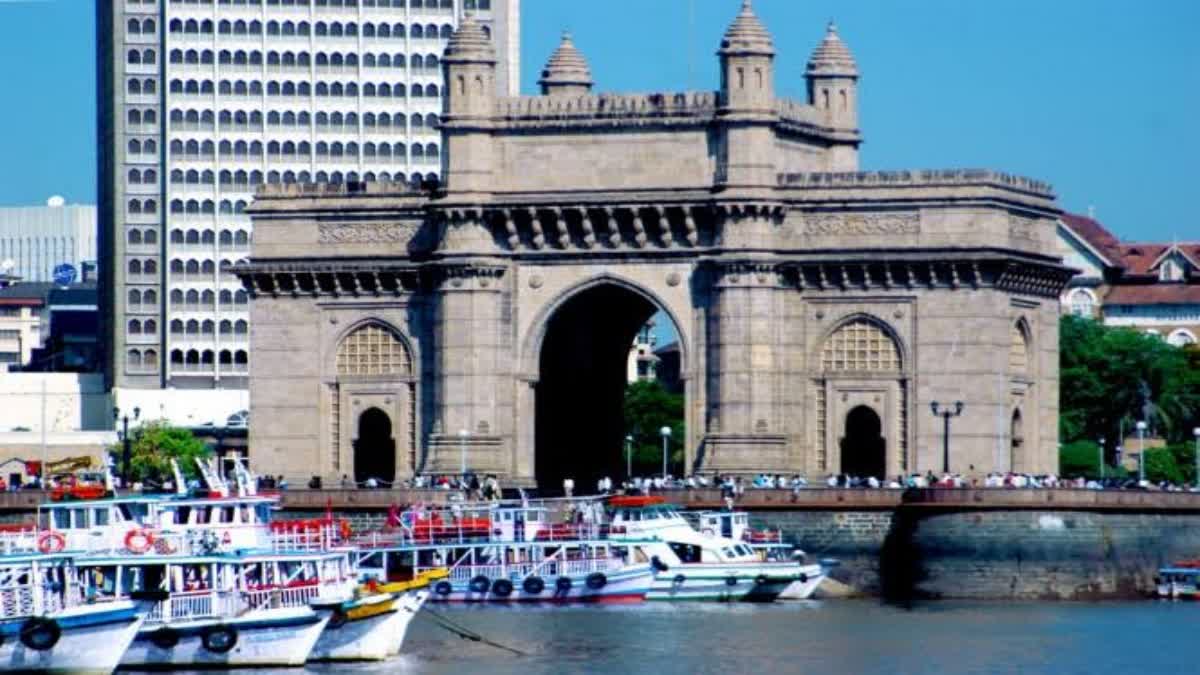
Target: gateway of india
821 310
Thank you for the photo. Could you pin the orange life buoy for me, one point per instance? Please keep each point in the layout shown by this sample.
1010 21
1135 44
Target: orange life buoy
139 541
51 542
345 529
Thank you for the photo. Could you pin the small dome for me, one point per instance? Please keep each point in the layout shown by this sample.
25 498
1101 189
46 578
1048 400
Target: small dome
469 40
832 56
566 66
747 35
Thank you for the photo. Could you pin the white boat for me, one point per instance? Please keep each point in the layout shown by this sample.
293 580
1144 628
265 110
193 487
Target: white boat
46 626
768 544
372 625
702 565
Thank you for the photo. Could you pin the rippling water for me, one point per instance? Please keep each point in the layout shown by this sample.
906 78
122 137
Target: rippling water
818 637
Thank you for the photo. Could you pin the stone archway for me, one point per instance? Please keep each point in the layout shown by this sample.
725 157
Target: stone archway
375 448
579 425
864 450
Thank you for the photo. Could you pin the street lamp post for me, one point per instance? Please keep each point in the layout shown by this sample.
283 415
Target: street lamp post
1141 429
1196 457
946 414
463 434
1101 440
666 436
127 451
629 456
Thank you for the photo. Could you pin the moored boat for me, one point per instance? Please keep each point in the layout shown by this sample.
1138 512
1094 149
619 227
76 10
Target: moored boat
371 625
1180 581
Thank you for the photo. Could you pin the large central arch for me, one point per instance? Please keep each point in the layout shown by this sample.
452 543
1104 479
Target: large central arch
579 425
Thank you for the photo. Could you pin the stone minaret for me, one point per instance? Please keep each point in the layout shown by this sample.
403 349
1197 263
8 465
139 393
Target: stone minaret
747 105
567 72
469 66
833 90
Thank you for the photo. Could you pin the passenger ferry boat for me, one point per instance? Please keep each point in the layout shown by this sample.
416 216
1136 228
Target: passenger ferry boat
46 625
1180 581
506 554
768 544
703 565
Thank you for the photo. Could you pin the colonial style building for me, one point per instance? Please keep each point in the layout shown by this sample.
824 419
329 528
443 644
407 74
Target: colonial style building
821 310
1153 287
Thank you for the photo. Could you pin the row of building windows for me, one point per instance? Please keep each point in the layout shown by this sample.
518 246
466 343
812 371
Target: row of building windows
138 360
241 118
199 267
136 267
138 147
138 87
142 206
447 5
137 57
238 359
208 237
143 27
193 149
195 298
254 58
140 177
287 88
139 116
208 327
137 327
141 237
137 297
304 29
208 207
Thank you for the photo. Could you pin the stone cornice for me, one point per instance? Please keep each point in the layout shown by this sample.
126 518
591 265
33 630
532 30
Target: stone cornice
918 179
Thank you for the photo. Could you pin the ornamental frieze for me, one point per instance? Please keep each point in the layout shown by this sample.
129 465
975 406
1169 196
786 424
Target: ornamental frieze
861 224
366 233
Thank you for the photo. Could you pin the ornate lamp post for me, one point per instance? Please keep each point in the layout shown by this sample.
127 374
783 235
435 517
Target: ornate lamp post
629 456
946 414
1101 442
463 434
127 451
666 436
1196 456
1141 429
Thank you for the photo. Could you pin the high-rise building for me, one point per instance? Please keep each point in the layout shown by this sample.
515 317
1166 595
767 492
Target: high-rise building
36 239
203 100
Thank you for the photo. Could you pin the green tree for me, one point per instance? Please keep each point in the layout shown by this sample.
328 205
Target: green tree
1161 466
154 445
648 408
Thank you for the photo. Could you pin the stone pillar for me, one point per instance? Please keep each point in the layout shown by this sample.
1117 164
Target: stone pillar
472 368
744 426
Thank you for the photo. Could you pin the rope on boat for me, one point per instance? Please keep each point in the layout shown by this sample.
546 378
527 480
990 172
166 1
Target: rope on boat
465 633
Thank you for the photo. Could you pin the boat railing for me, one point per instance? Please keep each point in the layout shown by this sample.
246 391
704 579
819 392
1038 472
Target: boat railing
551 567
762 536
24 540
17 601
270 598
456 533
192 605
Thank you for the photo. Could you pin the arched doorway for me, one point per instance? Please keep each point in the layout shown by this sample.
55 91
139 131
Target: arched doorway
375 449
583 371
864 451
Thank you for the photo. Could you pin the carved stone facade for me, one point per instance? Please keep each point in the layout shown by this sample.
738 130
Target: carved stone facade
820 310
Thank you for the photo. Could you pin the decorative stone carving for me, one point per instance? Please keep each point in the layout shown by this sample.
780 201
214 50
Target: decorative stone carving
366 233
673 279
536 281
861 224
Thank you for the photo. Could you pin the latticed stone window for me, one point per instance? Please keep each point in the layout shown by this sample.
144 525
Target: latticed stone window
373 350
1018 353
860 345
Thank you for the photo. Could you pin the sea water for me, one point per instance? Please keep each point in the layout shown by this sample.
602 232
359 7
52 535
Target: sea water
858 636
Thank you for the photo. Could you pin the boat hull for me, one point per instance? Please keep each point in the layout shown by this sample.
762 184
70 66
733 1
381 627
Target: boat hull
371 630
731 582
804 589
272 637
624 586
93 639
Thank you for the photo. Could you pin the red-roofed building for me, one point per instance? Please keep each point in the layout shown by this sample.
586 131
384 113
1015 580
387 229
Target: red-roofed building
1154 287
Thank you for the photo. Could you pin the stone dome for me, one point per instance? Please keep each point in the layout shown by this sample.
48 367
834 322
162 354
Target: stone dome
832 56
566 69
469 41
747 35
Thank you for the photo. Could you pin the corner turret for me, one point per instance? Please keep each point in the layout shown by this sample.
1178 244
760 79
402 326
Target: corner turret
833 82
747 64
469 68
567 72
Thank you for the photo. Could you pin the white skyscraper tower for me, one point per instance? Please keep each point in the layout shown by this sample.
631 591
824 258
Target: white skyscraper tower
203 100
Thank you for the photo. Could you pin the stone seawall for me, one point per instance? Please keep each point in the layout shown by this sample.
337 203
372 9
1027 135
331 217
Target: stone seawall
909 553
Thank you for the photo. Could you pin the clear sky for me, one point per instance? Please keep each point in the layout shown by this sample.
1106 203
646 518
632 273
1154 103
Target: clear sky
1098 97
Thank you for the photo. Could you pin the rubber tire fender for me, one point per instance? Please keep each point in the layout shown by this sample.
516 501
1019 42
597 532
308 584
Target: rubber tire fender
214 644
596 581
563 584
443 588
731 580
40 634
761 579
502 588
533 585
165 637
803 578
480 584
679 579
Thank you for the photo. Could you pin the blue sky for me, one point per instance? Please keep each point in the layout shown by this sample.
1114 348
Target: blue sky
1099 97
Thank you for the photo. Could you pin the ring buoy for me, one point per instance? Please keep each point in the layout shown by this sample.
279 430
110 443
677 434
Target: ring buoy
337 620
502 588
345 530
40 633
761 579
563 584
443 588
679 579
596 580
659 565
533 585
165 638
219 639
731 580
51 542
480 584
803 578
139 541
